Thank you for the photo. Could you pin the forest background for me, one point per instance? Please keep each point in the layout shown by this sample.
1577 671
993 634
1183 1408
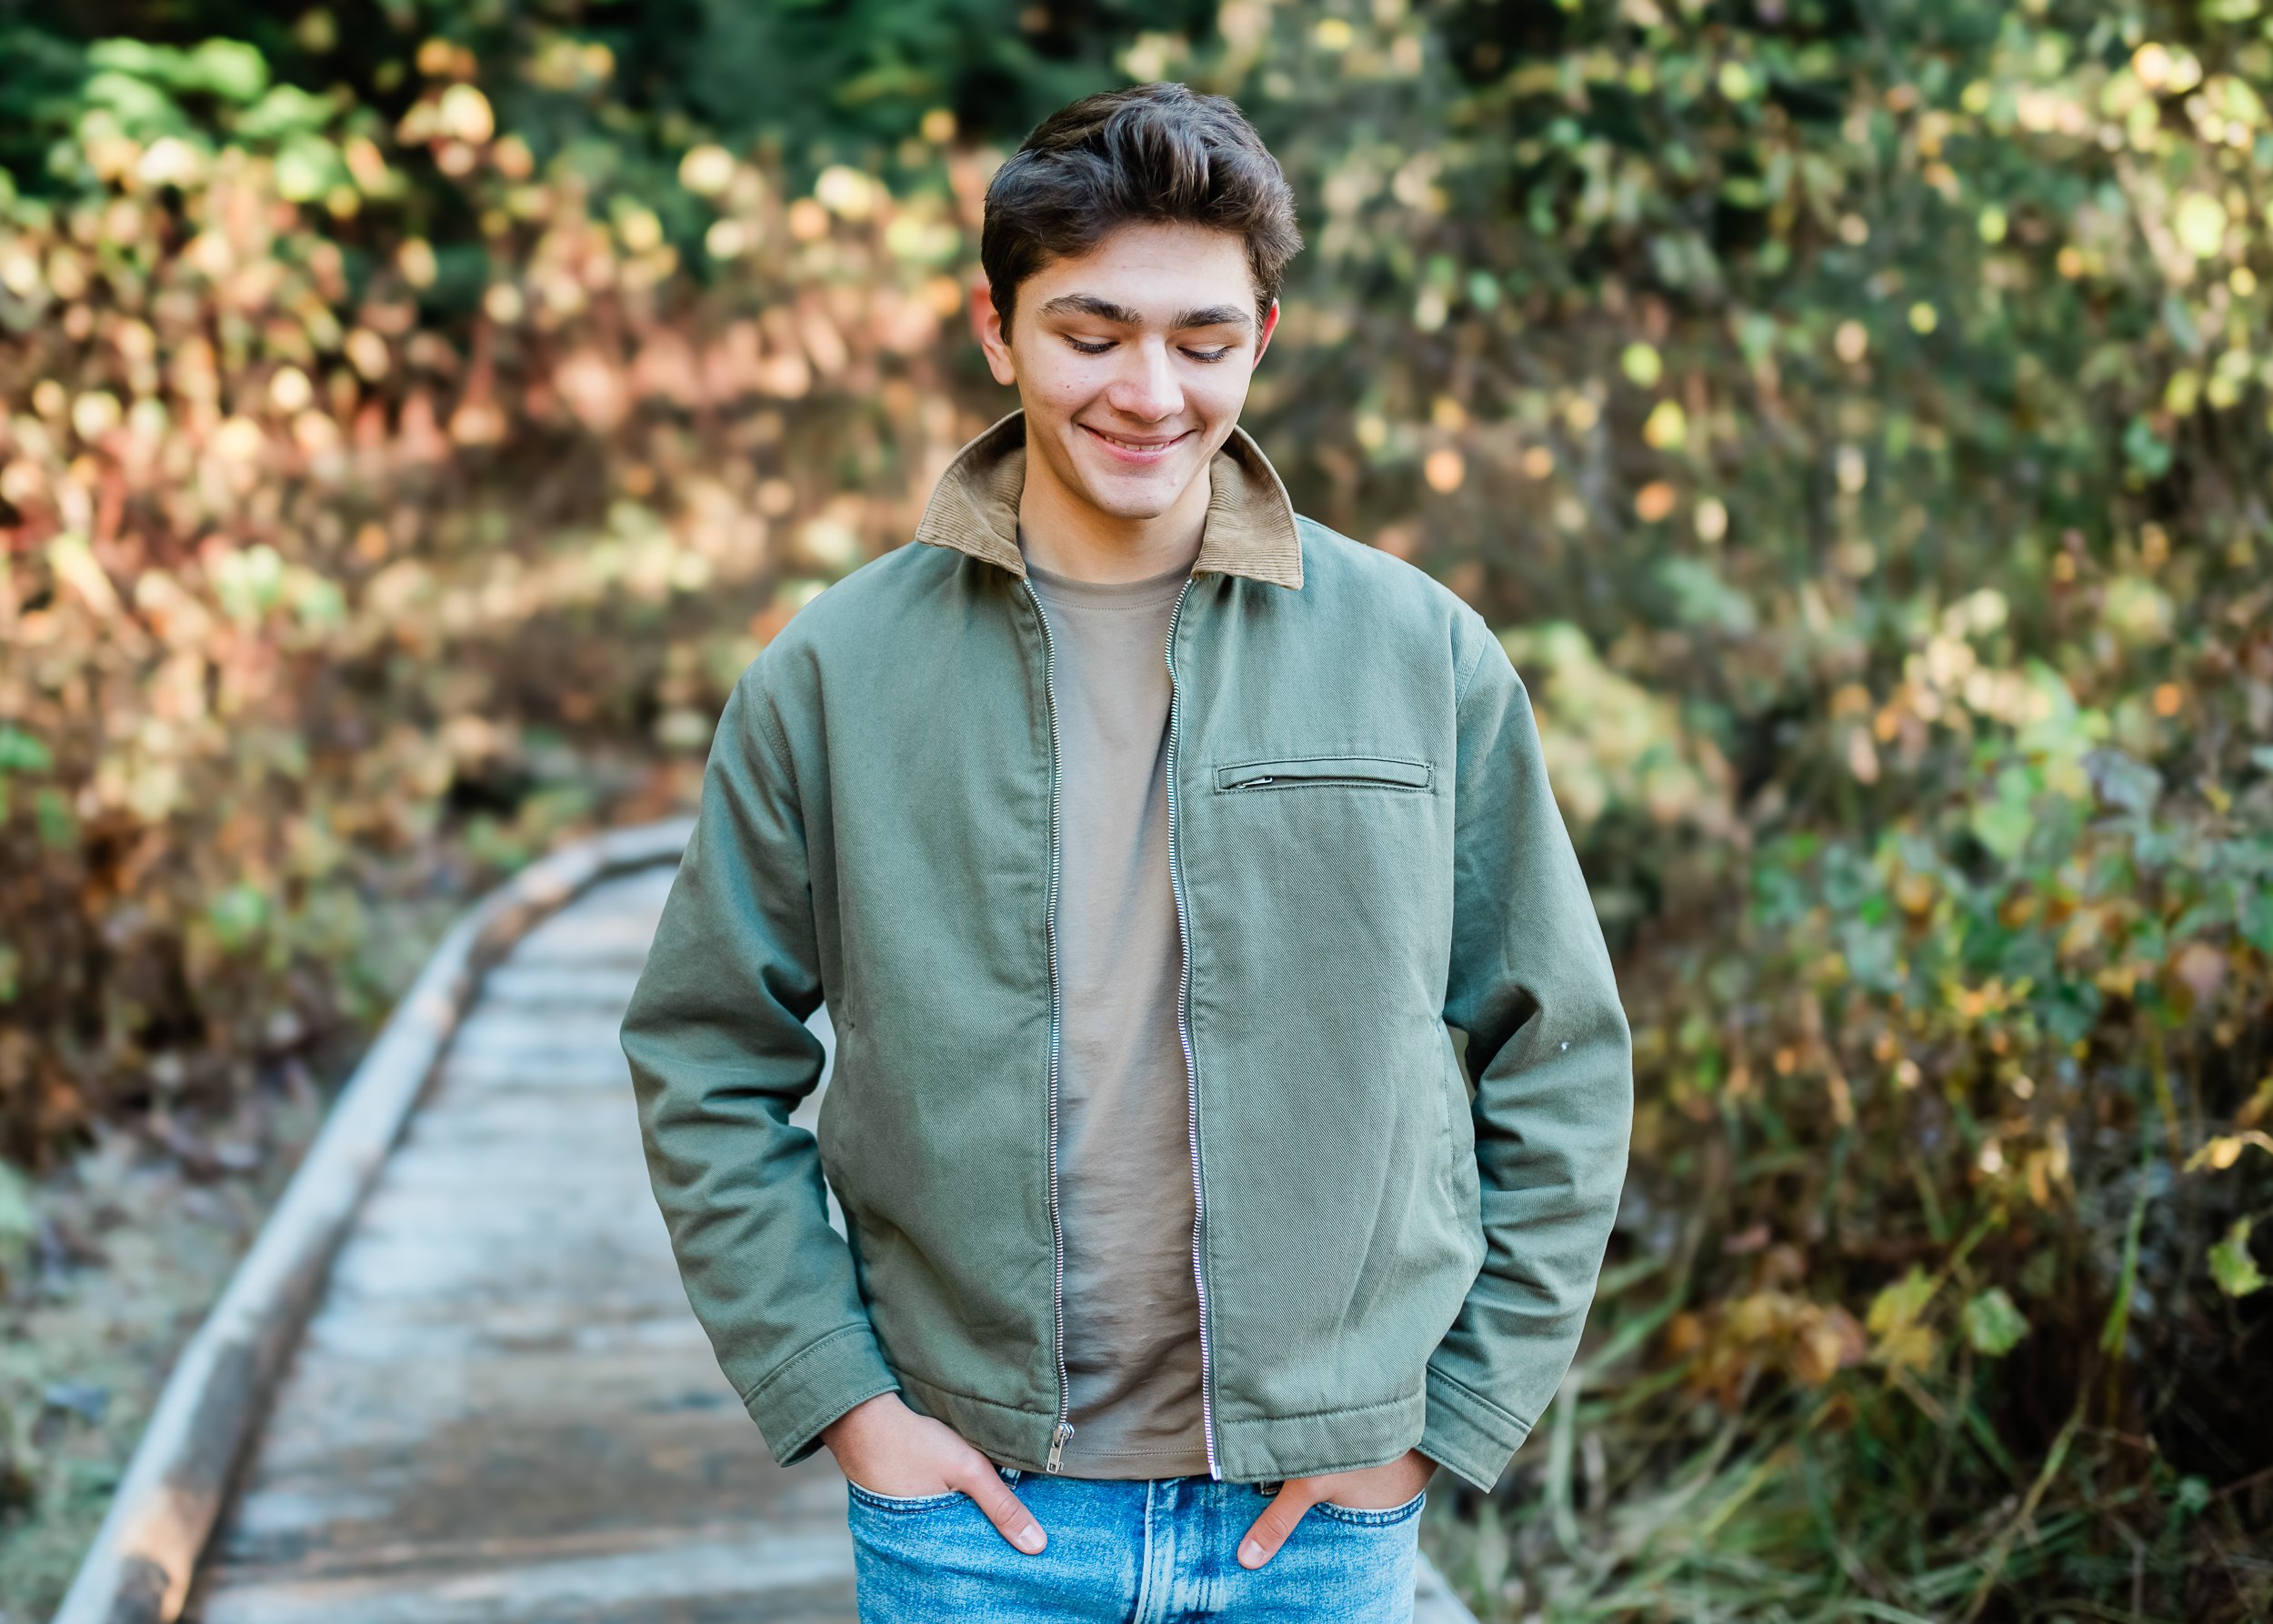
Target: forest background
1854 412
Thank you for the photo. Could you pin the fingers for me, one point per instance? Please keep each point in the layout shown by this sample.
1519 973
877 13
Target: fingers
1005 1509
1270 1529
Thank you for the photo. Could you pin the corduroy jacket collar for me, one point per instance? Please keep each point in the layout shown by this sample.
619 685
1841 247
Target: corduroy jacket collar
1249 529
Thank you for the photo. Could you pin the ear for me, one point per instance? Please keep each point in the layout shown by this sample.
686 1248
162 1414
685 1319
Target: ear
986 327
1270 325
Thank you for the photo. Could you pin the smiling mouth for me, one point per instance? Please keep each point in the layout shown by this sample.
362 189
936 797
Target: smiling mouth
1138 450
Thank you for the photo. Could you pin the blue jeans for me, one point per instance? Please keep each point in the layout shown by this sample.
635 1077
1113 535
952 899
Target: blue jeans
1162 1551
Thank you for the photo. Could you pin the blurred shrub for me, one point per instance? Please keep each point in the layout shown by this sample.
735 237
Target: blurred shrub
325 540
1856 415
1861 415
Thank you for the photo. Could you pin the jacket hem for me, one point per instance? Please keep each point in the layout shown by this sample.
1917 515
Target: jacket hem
1258 1449
1005 1433
1272 1448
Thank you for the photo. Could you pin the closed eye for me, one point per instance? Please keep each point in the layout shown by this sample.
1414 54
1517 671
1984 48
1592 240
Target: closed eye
1101 346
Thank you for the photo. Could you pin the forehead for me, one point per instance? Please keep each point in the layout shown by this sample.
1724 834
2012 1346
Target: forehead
1153 267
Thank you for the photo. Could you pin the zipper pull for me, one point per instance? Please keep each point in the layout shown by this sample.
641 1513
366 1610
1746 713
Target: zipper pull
1058 1444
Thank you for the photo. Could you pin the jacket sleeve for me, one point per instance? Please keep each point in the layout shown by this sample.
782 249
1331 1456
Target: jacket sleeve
1551 1055
720 1055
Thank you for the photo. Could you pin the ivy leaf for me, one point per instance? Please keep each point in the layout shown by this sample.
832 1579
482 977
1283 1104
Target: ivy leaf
1992 1324
2003 827
2149 454
1900 1303
2231 1266
1894 1321
20 752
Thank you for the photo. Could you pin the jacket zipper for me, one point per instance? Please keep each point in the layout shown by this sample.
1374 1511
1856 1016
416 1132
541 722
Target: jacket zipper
1065 1428
1191 1069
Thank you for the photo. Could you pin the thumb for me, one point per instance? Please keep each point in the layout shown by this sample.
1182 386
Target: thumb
1005 1509
1276 1522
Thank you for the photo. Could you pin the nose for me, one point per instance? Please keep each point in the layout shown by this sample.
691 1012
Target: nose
1146 386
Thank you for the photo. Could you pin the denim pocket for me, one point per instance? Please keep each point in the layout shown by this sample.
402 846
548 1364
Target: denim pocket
902 1505
1368 1518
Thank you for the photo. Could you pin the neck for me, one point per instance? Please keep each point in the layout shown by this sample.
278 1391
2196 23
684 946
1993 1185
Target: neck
1067 535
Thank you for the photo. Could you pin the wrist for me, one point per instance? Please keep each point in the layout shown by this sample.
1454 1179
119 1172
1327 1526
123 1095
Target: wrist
858 1420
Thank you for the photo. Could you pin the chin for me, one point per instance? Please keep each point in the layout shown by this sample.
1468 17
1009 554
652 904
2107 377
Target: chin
1137 495
1149 502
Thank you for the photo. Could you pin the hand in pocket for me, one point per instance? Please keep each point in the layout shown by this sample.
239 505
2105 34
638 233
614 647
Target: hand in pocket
889 1449
1374 1488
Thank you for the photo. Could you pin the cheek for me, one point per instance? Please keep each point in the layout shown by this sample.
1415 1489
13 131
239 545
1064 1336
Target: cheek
1219 391
1061 385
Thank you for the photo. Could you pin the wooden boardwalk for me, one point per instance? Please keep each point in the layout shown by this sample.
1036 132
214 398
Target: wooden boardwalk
503 1409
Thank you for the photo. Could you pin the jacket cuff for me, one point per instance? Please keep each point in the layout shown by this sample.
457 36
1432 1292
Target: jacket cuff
814 1387
1467 1433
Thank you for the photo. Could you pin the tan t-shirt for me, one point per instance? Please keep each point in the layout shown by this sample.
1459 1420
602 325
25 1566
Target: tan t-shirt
1125 1165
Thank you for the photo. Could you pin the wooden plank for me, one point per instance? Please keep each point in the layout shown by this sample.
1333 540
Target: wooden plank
728 1574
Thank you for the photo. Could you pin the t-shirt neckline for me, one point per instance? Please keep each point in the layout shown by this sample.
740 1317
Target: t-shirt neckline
1130 594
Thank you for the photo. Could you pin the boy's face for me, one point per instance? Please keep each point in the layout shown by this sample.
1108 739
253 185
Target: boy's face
1132 363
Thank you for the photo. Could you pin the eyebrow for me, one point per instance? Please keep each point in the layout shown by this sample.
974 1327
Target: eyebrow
1212 315
1121 316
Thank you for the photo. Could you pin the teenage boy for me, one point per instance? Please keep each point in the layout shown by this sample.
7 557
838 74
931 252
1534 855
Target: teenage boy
1146 840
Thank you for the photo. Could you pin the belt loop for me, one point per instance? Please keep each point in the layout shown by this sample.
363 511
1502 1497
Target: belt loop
1270 1491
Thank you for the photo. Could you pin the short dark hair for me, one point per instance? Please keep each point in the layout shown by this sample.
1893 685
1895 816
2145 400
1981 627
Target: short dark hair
1159 152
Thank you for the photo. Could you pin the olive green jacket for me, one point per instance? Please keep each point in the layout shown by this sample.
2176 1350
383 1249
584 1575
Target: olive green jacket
1394 1245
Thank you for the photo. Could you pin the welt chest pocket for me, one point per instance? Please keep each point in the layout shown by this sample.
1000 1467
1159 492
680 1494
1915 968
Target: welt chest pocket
1313 772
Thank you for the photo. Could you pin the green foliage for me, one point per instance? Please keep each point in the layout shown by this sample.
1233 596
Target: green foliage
999 67
2231 1265
1992 1324
1873 399
227 70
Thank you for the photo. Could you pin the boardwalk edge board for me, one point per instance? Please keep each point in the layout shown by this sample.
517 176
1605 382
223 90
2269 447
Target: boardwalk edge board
138 1570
